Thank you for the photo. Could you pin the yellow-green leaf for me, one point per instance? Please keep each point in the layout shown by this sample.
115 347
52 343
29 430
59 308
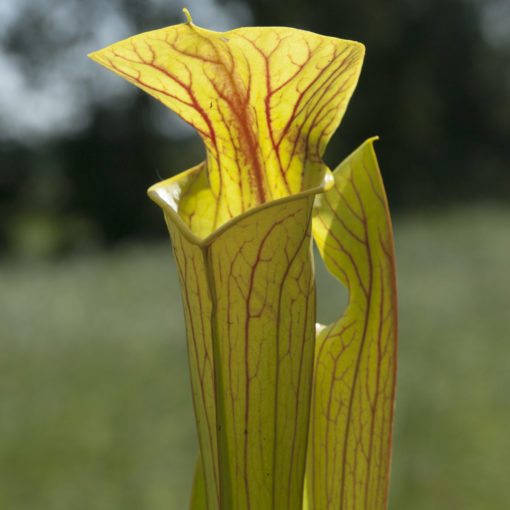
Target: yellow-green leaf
198 497
249 301
265 101
354 378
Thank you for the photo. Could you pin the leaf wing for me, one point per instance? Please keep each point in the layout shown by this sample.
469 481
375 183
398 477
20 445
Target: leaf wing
198 496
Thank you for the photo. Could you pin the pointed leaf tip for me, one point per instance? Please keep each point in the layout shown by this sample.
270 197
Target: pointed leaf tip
188 15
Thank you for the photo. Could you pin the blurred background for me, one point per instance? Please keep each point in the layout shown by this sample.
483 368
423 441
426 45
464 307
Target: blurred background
95 408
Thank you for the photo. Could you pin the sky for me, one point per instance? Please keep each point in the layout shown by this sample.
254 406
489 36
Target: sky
49 91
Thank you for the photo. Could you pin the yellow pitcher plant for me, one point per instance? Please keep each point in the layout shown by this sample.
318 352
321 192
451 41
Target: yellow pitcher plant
290 414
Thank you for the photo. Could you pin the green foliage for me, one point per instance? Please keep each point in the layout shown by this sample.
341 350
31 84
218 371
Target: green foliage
95 404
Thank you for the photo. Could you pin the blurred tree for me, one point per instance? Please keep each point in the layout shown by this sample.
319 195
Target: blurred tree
435 88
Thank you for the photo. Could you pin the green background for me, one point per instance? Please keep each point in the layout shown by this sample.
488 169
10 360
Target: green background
96 408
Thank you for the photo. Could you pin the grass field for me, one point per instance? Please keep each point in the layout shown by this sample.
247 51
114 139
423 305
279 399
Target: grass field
95 409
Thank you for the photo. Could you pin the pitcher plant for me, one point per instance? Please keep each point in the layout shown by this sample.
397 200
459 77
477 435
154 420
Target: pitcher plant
290 414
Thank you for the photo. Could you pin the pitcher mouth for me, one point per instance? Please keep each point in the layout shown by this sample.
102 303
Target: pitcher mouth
167 195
